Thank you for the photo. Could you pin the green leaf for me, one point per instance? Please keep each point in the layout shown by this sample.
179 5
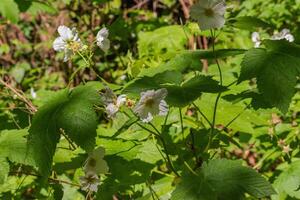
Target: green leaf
179 95
189 60
276 69
287 183
250 23
9 9
190 90
135 87
69 111
222 179
171 38
13 145
125 126
4 170
149 152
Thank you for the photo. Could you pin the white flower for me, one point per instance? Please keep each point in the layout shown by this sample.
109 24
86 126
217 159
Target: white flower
95 162
284 34
102 39
152 103
256 39
68 41
33 93
209 13
89 182
112 102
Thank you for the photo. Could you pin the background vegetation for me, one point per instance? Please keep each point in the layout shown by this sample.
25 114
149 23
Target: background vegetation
148 37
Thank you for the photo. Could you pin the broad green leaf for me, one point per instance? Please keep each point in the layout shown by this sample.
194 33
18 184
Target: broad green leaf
125 149
227 111
276 69
179 94
190 90
222 179
13 146
171 38
162 187
9 9
44 134
125 126
4 169
149 152
250 23
135 87
71 112
124 176
288 182
78 118
189 60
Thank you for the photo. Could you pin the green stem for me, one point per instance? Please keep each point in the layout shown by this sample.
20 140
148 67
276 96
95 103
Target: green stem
202 114
86 62
210 136
181 123
165 148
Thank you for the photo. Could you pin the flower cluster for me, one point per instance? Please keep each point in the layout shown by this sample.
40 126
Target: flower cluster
150 104
284 34
70 43
112 102
94 165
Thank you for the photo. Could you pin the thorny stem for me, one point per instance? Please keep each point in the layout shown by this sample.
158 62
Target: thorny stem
210 136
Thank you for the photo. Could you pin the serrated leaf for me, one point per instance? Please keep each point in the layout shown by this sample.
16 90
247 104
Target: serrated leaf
125 126
179 94
9 9
149 152
287 183
189 60
250 23
4 169
71 112
276 69
171 38
13 146
222 179
134 88
190 90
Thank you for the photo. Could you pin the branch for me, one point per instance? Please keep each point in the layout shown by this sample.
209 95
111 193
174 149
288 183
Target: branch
19 94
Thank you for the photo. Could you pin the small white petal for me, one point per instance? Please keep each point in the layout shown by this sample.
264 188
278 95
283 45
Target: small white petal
103 33
59 44
121 100
65 32
290 38
111 110
67 55
102 39
163 108
33 93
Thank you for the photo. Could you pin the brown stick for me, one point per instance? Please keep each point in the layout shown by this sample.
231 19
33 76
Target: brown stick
30 106
185 9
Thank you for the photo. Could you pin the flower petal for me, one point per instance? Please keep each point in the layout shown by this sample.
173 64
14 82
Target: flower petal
59 44
65 32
